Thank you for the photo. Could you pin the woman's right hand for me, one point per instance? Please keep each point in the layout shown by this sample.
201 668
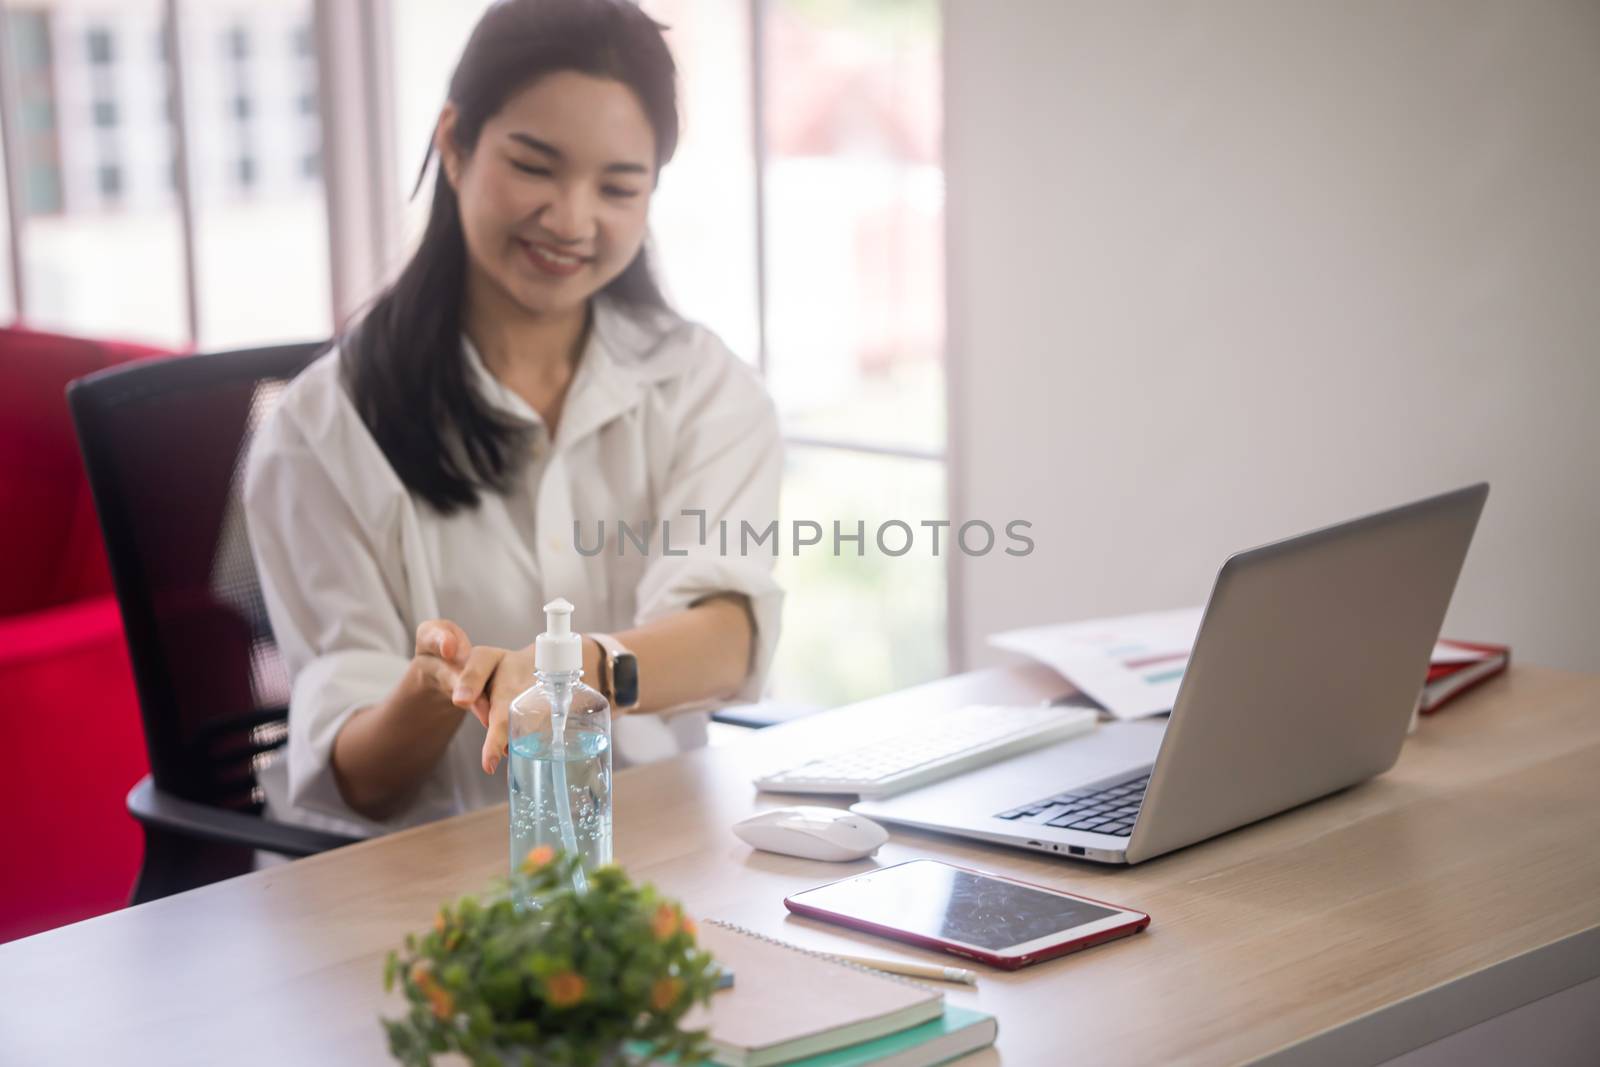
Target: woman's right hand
385 750
445 656
482 679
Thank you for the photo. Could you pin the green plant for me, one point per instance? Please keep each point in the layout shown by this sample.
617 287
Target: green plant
565 981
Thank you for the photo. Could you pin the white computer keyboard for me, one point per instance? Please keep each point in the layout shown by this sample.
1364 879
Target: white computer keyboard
943 743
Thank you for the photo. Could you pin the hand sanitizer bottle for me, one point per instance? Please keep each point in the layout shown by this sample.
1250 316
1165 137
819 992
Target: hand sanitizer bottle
560 765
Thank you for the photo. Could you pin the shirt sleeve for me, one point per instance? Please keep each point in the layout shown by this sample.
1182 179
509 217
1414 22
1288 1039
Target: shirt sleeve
332 612
727 463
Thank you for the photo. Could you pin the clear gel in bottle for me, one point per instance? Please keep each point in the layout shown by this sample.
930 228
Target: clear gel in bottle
560 759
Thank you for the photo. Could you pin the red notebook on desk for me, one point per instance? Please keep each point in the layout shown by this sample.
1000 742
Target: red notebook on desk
1448 680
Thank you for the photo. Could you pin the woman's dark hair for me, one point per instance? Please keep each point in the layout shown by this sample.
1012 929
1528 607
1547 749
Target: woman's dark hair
403 363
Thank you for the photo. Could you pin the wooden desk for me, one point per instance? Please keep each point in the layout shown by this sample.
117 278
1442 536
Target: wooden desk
1464 882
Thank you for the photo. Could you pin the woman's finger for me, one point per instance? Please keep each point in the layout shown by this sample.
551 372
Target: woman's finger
443 638
494 745
473 680
512 677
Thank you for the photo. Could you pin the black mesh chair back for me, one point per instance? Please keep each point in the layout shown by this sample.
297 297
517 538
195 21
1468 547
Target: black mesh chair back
165 443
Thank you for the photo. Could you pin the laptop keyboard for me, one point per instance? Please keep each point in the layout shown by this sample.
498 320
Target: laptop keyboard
1104 810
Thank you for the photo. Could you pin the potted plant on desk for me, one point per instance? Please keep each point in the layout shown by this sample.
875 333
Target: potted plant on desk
569 981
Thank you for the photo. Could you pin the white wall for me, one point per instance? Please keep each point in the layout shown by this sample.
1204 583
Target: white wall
1222 272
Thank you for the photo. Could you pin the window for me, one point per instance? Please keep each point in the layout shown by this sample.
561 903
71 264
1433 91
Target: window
97 257
39 157
260 217
890 611
110 178
852 223
704 215
100 50
854 216
38 116
43 195
428 38
101 243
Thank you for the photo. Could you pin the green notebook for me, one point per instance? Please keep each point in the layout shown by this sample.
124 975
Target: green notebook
956 1033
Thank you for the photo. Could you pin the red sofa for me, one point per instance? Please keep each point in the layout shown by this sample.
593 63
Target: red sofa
71 743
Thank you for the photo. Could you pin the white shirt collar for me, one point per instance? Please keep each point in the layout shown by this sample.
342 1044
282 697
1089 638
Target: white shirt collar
625 353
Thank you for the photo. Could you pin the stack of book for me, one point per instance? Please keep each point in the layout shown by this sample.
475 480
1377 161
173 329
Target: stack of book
789 1005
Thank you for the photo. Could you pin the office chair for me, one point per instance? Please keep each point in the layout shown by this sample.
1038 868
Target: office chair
164 444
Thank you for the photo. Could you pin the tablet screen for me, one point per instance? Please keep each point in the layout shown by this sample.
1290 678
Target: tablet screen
954 905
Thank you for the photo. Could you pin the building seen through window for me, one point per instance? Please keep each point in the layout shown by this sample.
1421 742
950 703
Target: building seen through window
102 240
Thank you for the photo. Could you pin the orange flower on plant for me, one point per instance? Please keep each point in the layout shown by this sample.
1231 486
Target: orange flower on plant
538 857
444 1005
689 927
564 989
439 998
440 923
666 921
664 993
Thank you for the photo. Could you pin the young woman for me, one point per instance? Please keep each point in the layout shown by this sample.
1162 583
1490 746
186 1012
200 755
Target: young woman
414 498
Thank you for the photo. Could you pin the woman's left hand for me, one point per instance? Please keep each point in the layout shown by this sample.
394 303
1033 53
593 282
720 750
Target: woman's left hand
500 675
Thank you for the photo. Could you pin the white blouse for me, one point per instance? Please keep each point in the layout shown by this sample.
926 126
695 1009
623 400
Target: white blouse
660 418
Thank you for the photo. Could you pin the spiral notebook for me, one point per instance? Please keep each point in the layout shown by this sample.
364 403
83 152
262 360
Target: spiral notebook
788 1002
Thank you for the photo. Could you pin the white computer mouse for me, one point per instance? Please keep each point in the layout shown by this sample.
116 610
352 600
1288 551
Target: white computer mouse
812 833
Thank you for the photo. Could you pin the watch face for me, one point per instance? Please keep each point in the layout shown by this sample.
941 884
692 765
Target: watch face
625 680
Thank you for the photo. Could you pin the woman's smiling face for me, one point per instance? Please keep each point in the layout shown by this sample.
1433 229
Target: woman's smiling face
555 197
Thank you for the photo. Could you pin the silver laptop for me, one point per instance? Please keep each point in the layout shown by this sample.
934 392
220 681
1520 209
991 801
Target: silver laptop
1309 660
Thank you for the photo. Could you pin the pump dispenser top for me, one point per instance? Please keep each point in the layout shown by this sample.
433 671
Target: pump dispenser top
558 649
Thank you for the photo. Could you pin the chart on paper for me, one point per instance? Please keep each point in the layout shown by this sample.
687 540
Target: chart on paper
1131 664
